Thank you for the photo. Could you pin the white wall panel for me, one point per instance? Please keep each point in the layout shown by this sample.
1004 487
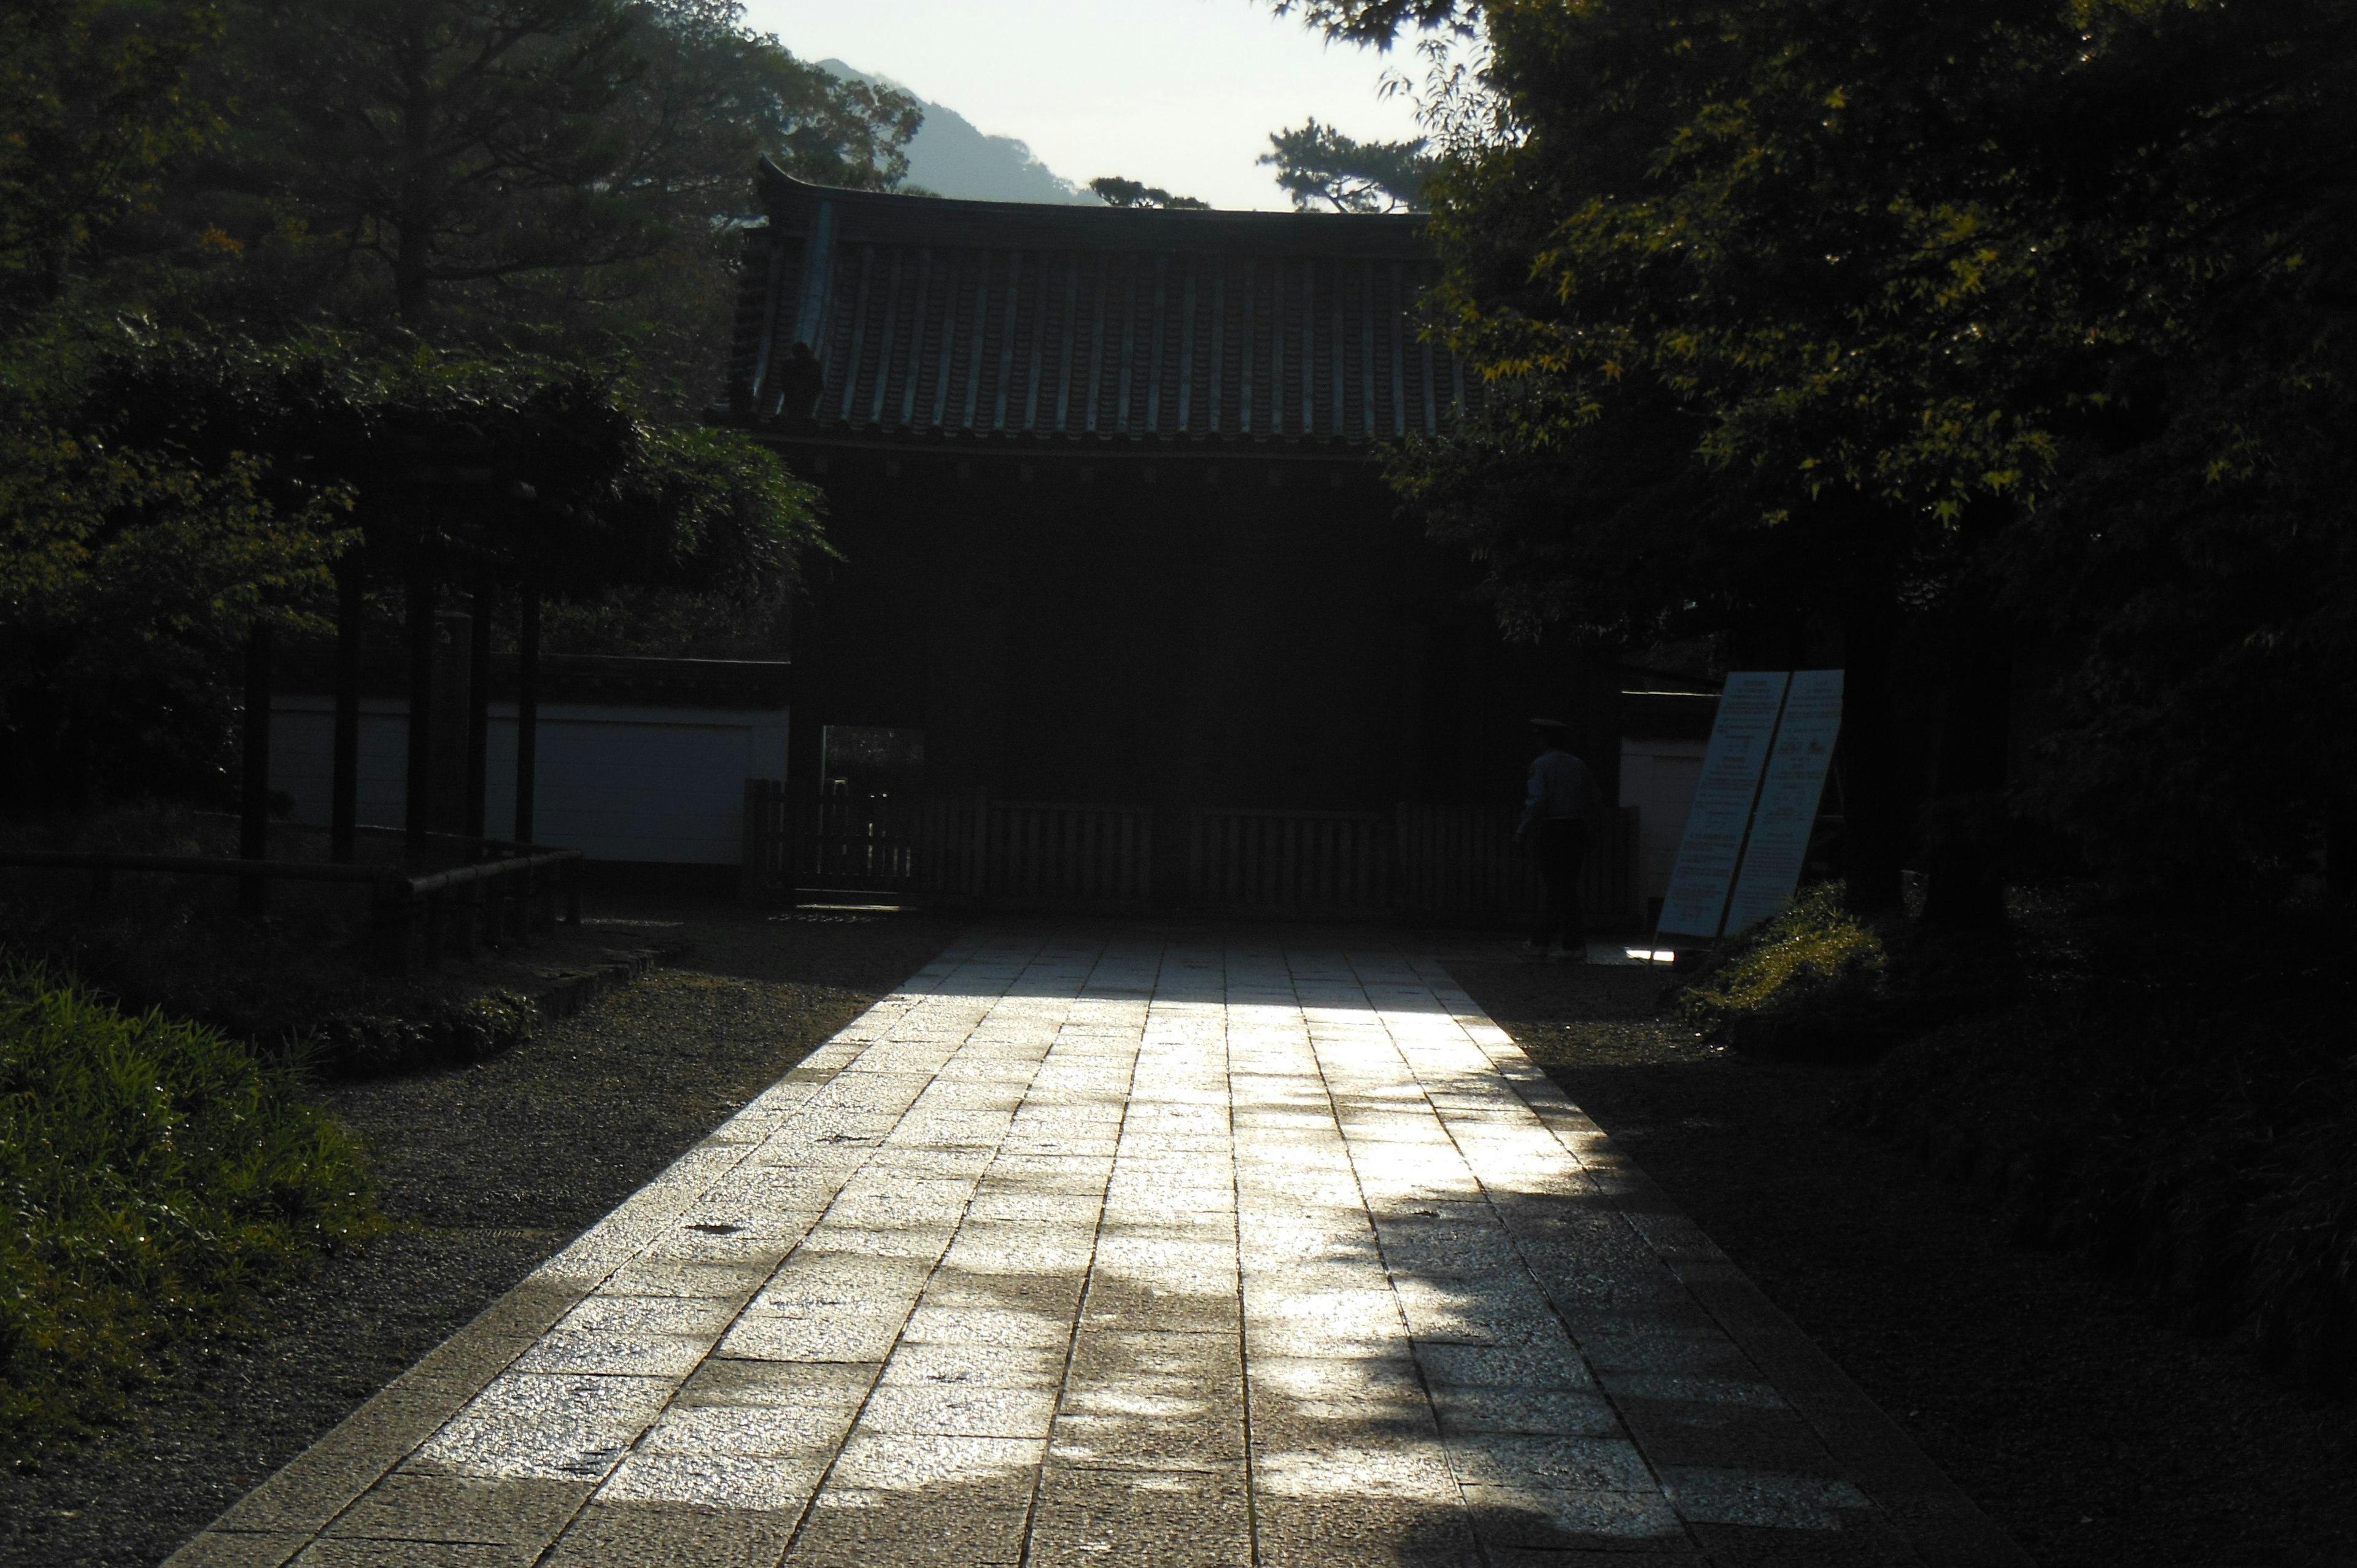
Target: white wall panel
620 782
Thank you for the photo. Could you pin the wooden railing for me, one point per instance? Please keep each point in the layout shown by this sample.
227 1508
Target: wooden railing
499 898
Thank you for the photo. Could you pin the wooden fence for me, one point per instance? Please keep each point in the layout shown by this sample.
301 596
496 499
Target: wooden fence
960 846
1446 862
864 842
1463 863
1040 854
1334 862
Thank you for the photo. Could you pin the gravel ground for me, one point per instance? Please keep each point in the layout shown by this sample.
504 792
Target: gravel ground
489 1169
2093 1433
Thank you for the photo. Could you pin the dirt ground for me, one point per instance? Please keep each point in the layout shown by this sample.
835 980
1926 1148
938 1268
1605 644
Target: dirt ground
2094 1433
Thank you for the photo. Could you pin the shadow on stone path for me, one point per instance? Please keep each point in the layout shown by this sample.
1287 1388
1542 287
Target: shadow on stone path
1082 1248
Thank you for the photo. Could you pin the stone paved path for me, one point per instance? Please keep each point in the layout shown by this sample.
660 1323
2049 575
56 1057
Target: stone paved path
1081 1250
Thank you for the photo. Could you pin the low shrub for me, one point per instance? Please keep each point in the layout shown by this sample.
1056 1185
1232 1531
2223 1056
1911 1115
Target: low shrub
154 1173
1814 982
359 1044
283 990
2180 1102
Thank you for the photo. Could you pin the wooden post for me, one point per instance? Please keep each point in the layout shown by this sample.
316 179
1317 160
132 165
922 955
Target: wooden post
527 708
343 809
418 795
254 793
752 877
479 706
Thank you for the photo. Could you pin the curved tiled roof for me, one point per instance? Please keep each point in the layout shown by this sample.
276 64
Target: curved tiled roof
980 320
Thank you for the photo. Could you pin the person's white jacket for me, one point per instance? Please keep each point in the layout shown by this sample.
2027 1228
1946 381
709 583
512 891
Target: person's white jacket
1561 788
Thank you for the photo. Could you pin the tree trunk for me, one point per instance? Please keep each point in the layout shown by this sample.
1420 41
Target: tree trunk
1874 834
2340 851
479 707
343 809
527 710
253 790
413 244
1964 855
418 795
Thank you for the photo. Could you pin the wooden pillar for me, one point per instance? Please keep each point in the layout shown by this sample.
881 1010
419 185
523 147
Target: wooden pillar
1597 729
343 810
254 793
417 794
527 708
479 706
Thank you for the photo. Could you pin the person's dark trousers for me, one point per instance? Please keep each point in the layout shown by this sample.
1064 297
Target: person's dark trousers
1561 846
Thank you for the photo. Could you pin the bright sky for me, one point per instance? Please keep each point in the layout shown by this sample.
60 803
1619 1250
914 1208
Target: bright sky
1178 93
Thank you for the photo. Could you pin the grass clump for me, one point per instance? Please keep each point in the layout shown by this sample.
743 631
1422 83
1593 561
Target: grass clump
153 1174
1812 983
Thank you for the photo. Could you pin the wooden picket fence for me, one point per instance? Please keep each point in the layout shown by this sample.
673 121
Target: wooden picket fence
1463 863
1333 863
1040 855
1440 862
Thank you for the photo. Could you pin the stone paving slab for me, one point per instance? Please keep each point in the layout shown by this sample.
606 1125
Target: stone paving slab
1089 1247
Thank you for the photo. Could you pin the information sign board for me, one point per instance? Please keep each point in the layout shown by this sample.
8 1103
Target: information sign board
1787 812
1731 765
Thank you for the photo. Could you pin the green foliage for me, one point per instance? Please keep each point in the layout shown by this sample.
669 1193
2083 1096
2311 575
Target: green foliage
155 1175
2035 310
1316 164
130 571
160 494
563 177
667 623
93 102
359 1042
208 398
1814 982
1381 22
1115 191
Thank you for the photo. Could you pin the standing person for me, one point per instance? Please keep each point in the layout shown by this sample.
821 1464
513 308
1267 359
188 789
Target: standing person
1555 813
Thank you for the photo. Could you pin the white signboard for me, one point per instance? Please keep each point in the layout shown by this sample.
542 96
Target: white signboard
1787 812
1723 799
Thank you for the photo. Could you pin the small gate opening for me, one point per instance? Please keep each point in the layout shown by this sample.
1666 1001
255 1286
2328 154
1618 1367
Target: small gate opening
868 759
863 835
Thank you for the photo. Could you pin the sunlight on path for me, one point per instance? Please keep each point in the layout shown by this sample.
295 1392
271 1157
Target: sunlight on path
1087 1251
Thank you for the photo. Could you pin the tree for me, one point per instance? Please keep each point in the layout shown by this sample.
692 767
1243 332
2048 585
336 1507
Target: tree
464 150
1913 279
93 101
1115 191
160 497
562 174
1318 164
130 572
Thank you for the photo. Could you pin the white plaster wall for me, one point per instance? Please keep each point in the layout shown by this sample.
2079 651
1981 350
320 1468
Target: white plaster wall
1658 778
620 782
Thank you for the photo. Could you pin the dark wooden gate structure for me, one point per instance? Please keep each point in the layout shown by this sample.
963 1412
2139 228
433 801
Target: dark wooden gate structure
1455 864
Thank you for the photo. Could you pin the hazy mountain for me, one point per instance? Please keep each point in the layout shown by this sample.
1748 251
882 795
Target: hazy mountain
951 158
